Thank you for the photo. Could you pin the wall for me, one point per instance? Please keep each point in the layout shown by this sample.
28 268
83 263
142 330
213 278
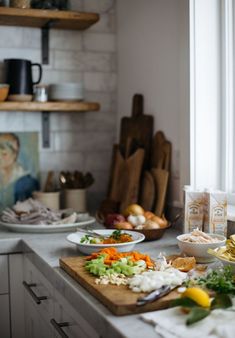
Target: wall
153 59
79 141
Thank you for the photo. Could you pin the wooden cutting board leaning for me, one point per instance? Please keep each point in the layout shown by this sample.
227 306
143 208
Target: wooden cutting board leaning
118 299
138 127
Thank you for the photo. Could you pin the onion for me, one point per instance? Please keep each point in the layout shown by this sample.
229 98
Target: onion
149 224
123 225
161 221
133 209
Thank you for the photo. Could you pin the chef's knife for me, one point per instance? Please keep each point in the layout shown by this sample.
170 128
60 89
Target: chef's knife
152 296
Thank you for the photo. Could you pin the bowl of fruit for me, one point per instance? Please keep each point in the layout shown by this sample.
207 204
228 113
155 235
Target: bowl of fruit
134 217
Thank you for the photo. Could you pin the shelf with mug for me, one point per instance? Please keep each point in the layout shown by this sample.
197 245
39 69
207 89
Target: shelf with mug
51 106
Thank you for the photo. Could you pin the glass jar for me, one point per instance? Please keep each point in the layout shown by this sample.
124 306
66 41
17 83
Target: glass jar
20 3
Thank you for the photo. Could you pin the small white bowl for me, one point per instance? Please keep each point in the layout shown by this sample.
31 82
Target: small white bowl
87 249
199 250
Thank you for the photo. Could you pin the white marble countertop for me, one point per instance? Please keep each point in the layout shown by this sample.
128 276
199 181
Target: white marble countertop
44 250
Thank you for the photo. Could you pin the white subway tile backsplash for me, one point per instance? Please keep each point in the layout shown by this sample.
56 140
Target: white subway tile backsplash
100 81
67 121
65 39
11 37
97 62
103 121
20 53
54 76
62 161
107 100
83 141
99 160
99 42
32 121
106 24
31 38
101 6
11 121
101 181
69 60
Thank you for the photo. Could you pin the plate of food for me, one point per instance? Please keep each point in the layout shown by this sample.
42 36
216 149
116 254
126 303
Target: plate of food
34 217
90 241
135 218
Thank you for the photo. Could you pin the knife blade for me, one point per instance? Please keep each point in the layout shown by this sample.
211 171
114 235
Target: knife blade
154 295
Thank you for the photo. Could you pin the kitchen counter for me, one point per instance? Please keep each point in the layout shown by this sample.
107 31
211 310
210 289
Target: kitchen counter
44 250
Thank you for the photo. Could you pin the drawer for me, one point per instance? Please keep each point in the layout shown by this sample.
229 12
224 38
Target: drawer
76 325
38 290
4 316
4 274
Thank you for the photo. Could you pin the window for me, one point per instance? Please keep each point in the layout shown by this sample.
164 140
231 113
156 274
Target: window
212 109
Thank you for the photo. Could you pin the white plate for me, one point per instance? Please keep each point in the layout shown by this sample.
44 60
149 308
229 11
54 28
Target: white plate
87 249
47 228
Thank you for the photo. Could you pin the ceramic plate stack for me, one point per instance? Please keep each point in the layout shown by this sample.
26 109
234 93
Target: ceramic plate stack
66 92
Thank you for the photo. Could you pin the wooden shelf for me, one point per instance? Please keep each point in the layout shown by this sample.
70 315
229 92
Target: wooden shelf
78 106
40 18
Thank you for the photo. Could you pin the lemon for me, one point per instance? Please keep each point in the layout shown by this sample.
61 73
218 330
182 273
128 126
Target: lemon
199 296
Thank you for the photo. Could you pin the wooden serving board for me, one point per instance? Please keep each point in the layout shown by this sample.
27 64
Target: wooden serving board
118 299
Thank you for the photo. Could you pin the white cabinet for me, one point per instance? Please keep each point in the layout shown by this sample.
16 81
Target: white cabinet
4 274
47 313
4 298
4 316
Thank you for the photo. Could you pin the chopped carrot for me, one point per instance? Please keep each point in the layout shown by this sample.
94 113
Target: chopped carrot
113 255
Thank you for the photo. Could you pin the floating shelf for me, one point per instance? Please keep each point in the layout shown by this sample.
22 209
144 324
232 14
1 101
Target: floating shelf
46 19
40 18
79 106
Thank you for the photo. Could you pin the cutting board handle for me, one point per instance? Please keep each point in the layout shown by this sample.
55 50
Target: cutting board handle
137 105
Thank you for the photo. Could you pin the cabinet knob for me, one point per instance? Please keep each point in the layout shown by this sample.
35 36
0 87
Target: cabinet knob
29 287
58 327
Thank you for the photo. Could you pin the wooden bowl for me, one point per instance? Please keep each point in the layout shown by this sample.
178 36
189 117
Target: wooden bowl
153 234
150 234
4 89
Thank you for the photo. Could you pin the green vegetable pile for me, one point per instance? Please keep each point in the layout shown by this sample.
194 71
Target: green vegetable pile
219 280
123 266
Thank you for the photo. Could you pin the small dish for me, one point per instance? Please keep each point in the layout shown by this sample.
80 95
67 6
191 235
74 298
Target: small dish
199 250
87 249
4 90
66 92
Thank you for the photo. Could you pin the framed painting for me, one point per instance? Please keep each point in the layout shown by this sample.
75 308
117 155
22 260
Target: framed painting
19 167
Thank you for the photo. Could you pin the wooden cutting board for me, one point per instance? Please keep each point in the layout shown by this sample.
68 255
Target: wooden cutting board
118 299
138 127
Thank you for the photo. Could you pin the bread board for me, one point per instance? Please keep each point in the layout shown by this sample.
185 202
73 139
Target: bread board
118 299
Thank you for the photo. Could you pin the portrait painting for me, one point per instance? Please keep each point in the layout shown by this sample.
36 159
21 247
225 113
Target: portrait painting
19 167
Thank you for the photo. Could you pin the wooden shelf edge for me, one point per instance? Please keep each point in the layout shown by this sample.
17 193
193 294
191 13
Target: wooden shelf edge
39 18
79 106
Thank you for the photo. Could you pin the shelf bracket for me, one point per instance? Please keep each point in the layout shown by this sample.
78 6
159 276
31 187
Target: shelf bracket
46 129
45 34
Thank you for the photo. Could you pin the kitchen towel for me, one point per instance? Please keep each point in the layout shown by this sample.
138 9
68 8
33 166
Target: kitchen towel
170 323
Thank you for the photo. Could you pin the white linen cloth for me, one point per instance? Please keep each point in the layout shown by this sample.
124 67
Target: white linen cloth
171 323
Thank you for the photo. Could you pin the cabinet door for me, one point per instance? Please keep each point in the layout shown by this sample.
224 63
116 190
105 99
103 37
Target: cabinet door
36 326
77 327
4 316
41 288
3 274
